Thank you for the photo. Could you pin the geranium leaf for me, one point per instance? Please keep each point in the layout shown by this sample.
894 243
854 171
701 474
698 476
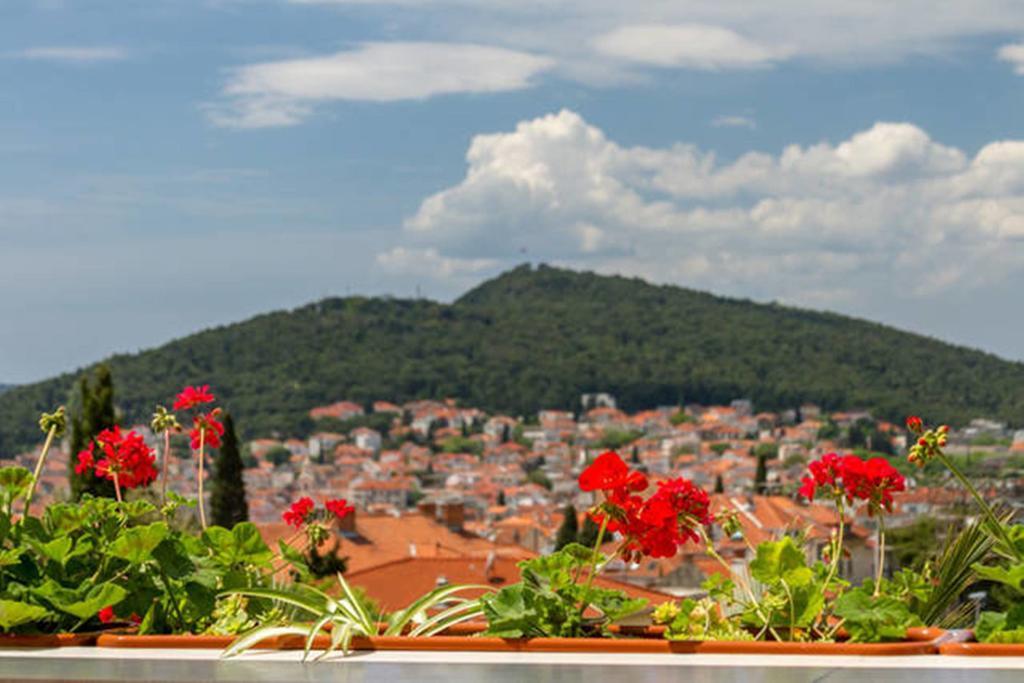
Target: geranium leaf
14 613
136 545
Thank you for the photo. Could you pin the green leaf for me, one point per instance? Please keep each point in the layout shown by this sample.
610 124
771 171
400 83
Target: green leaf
241 545
988 624
173 559
136 545
75 603
10 556
775 558
508 615
14 483
249 544
57 550
134 509
873 619
13 614
1010 576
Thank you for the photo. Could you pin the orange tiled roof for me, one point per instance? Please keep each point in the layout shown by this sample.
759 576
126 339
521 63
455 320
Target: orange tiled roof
385 538
396 584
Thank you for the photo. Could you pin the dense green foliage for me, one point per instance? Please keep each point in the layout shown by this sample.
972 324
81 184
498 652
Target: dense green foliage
538 338
59 570
92 411
547 602
228 506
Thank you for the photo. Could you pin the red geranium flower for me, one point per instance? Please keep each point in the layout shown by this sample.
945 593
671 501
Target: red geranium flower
106 615
915 424
824 474
339 508
607 472
190 397
207 426
86 460
124 455
873 481
852 478
299 511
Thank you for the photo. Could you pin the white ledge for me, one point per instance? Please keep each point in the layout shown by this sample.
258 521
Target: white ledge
70 654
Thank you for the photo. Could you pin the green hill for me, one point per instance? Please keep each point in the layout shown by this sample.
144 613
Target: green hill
535 338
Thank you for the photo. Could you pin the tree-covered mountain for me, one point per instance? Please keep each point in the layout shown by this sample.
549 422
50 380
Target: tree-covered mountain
5 387
539 337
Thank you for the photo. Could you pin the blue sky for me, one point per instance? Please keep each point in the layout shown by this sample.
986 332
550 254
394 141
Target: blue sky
174 164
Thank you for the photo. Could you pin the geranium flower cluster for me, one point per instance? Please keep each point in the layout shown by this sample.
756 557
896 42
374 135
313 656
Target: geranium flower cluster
123 458
851 478
303 514
929 442
206 427
655 526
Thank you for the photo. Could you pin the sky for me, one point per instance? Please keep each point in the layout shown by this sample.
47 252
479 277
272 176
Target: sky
170 165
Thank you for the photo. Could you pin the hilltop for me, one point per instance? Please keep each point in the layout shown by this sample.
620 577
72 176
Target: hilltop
537 338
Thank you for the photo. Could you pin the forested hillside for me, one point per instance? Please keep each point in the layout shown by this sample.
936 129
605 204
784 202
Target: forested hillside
536 338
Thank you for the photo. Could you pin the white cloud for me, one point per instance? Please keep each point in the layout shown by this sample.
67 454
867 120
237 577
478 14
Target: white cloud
844 31
428 262
1014 54
888 212
696 46
282 93
74 54
734 121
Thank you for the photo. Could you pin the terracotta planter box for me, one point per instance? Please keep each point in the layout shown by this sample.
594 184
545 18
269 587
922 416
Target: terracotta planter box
920 642
969 648
48 640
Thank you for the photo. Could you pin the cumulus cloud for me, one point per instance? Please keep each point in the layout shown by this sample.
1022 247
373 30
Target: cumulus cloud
888 210
1014 54
67 54
282 93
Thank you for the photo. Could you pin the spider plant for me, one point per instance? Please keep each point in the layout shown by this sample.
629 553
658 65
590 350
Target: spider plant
346 616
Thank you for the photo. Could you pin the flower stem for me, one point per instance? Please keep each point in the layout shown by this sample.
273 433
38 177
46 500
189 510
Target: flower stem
117 488
997 526
881 555
593 566
50 435
837 549
710 549
202 453
163 466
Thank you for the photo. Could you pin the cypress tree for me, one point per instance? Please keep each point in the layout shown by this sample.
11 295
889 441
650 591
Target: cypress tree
227 490
92 411
501 498
761 476
588 533
570 528
719 484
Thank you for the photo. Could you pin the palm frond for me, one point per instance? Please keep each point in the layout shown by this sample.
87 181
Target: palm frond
955 570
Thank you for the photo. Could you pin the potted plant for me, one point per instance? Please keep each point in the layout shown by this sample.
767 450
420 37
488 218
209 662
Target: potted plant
996 633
